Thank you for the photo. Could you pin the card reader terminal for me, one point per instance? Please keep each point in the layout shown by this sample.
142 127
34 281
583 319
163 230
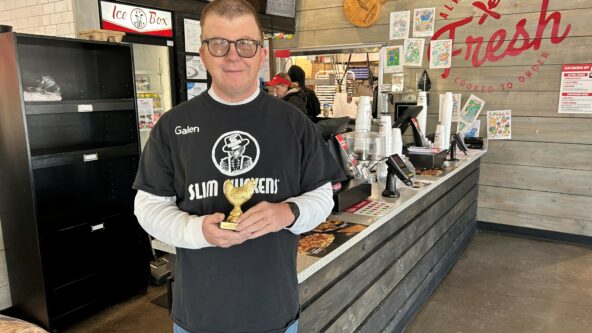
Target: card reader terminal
398 166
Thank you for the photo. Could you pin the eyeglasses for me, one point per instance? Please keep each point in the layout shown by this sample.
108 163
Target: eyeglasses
219 47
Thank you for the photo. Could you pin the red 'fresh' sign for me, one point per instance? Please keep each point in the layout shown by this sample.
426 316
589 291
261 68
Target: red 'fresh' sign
480 49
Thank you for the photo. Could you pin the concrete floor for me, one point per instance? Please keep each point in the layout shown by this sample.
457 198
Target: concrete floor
511 284
501 284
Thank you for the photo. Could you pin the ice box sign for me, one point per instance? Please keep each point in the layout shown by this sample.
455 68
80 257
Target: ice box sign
134 19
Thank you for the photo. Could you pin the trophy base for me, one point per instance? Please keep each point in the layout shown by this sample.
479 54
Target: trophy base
228 225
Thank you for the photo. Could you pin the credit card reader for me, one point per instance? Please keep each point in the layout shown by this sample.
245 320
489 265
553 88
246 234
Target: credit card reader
396 167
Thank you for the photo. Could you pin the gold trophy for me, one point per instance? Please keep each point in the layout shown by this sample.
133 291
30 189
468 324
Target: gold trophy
236 196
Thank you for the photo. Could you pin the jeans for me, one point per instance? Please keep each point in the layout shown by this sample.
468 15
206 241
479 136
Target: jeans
291 329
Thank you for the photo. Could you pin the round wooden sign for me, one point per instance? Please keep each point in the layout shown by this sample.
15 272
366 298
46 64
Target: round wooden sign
362 13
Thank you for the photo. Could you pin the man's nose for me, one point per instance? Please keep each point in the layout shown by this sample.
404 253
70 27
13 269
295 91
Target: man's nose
233 53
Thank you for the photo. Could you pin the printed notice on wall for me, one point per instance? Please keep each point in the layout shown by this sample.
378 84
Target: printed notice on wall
281 8
192 31
576 89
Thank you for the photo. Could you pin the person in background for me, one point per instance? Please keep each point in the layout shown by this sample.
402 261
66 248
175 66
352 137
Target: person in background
284 89
243 280
313 106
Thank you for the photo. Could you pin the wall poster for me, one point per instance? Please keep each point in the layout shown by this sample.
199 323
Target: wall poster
499 125
195 88
285 8
195 68
441 53
469 113
192 31
423 22
473 131
413 52
575 94
399 25
393 62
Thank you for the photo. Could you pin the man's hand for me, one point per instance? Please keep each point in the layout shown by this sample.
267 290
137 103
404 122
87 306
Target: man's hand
264 218
219 237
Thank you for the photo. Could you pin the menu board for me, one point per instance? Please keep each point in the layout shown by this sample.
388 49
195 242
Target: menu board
576 89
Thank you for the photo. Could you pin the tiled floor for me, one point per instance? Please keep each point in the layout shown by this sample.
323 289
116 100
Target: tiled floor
501 284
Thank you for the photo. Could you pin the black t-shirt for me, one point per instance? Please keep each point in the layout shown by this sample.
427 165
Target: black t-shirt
192 150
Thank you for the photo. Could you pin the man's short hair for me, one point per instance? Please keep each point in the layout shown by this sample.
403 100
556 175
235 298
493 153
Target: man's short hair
230 9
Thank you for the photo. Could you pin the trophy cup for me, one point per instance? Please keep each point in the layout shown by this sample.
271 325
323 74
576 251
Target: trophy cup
236 196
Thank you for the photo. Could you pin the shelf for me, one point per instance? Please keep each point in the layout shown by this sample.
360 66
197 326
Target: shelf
88 105
46 158
149 92
139 72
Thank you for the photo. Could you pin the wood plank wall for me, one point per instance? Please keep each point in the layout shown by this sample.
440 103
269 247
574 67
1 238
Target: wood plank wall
542 178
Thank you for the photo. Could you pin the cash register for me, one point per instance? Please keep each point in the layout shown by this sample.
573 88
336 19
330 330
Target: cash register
351 190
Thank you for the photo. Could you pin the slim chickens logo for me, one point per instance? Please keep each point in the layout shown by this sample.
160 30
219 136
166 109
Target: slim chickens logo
479 50
235 153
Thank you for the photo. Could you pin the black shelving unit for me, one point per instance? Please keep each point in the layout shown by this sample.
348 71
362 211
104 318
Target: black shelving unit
73 244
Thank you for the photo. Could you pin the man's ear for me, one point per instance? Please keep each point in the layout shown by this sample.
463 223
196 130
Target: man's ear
264 53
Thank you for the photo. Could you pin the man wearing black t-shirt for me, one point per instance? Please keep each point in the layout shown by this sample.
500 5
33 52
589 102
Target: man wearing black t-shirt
244 280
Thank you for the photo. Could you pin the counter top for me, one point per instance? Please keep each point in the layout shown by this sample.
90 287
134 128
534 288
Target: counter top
308 265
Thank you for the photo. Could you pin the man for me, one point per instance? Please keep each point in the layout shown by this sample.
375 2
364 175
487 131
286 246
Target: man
284 89
244 280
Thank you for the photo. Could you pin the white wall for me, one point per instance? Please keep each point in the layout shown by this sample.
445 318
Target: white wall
41 17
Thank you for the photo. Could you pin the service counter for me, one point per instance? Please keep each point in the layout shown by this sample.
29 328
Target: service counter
379 278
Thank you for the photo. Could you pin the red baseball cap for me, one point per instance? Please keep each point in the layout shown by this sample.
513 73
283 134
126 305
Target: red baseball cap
278 80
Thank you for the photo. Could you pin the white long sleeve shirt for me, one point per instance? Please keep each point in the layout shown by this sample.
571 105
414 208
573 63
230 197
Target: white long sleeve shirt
164 220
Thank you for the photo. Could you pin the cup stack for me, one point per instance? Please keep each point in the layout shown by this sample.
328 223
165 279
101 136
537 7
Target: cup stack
397 145
422 117
447 119
364 115
385 131
438 142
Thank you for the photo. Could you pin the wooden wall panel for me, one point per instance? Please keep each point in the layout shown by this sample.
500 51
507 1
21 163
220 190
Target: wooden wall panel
536 202
334 19
533 178
551 155
534 221
541 177
504 7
